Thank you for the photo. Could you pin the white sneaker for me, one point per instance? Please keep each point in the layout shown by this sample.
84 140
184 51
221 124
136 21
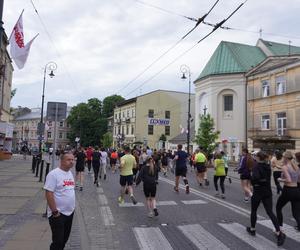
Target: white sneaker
217 194
150 214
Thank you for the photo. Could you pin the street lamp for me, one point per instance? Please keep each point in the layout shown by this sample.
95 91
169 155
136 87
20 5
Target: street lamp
50 66
186 70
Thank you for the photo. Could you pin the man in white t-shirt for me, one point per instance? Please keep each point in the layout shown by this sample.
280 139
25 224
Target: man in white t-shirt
103 162
60 197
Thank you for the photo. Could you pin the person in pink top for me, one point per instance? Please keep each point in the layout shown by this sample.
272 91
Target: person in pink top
89 153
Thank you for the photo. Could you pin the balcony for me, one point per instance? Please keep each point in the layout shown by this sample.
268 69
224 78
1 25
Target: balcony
258 133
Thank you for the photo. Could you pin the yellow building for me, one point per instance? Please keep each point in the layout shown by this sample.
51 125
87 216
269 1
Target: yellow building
273 116
149 118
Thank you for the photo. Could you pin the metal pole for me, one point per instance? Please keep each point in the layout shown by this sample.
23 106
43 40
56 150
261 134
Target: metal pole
42 115
189 116
1 22
54 143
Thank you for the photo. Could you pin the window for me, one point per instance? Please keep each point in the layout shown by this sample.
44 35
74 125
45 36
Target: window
49 134
167 130
120 115
133 113
150 129
265 88
119 130
280 85
127 130
151 113
128 113
61 124
123 114
167 114
60 135
265 122
123 130
281 124
132 130
228 103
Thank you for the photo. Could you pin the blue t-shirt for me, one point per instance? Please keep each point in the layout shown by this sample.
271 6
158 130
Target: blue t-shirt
181 161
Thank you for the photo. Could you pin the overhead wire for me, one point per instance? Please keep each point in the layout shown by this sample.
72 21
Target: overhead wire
217 26
199 20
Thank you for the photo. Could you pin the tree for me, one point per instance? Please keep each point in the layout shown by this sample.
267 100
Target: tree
107 140
87 122
109 103
207 136
13 93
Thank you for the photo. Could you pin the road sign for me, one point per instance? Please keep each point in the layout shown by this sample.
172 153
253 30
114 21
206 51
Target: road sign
58 109
41 128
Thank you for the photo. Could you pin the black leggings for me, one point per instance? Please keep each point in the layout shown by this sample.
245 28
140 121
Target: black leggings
222 179
96 167
291 194
276 175
264 196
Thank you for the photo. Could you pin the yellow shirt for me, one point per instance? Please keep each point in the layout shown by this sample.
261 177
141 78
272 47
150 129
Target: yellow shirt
200 158
127 164
220 167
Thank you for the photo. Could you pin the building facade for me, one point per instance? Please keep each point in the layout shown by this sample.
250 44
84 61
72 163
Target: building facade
274 104
221 89
151 119
26 130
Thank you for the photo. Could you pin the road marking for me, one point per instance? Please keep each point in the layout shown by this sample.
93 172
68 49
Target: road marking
166 203
258 242
102 199
99 190
107 216
151 238
194 202
287 229
129 204
201 238
223 203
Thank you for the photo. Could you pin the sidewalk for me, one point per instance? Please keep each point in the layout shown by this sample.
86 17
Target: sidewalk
22 204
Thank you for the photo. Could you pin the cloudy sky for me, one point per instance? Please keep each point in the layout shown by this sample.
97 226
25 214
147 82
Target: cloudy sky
101 46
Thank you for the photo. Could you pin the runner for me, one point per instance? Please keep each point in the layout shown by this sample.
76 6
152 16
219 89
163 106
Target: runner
126 175
89 153
113 160
103 162
277 163
80 158
225 158
96 164
200 167
147 175
262 192
246 165
290 191
164 162
181 168
220 173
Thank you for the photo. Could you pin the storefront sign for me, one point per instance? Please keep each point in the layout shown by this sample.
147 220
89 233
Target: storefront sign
156 121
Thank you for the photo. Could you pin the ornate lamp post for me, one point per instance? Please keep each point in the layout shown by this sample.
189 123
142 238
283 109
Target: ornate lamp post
186 70
50 66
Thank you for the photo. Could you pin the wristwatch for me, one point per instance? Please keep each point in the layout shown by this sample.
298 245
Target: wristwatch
55 212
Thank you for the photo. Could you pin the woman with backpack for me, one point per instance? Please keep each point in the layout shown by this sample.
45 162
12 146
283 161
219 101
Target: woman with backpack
262 192
148 176
245 167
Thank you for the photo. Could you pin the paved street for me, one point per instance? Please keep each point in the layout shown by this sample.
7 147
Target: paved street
195 221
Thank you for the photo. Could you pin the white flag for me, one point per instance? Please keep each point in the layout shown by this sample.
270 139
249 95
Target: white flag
18 50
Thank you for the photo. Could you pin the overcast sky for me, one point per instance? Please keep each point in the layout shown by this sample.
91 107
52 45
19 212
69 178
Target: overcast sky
102 45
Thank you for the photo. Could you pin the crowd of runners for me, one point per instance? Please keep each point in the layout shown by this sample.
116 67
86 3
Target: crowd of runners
144 164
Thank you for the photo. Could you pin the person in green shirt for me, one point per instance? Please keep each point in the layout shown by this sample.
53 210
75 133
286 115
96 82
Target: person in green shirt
200 165
128 163
220 173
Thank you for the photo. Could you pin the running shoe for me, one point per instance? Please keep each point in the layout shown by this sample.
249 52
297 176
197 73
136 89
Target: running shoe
246 199
105 177
280 239
81 188
187 189
217 194
229 179
150 214
155 211
133 200
200 184
223 196
176 189
120 200
251 231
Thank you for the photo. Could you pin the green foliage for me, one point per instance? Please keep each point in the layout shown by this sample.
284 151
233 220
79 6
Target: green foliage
207 136
13 93
107 140
109 103
162 138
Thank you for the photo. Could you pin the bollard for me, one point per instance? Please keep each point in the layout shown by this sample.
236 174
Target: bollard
47 170
33 163
37 168
41 171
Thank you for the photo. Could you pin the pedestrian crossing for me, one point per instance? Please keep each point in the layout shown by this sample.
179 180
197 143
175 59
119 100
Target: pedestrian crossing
165 203
234 236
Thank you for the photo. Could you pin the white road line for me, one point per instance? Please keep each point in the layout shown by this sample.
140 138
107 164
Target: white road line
223 203
194 202
129 204
201 238
287 229
166 203
151 238
258 242
107 216
99 190
102 199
